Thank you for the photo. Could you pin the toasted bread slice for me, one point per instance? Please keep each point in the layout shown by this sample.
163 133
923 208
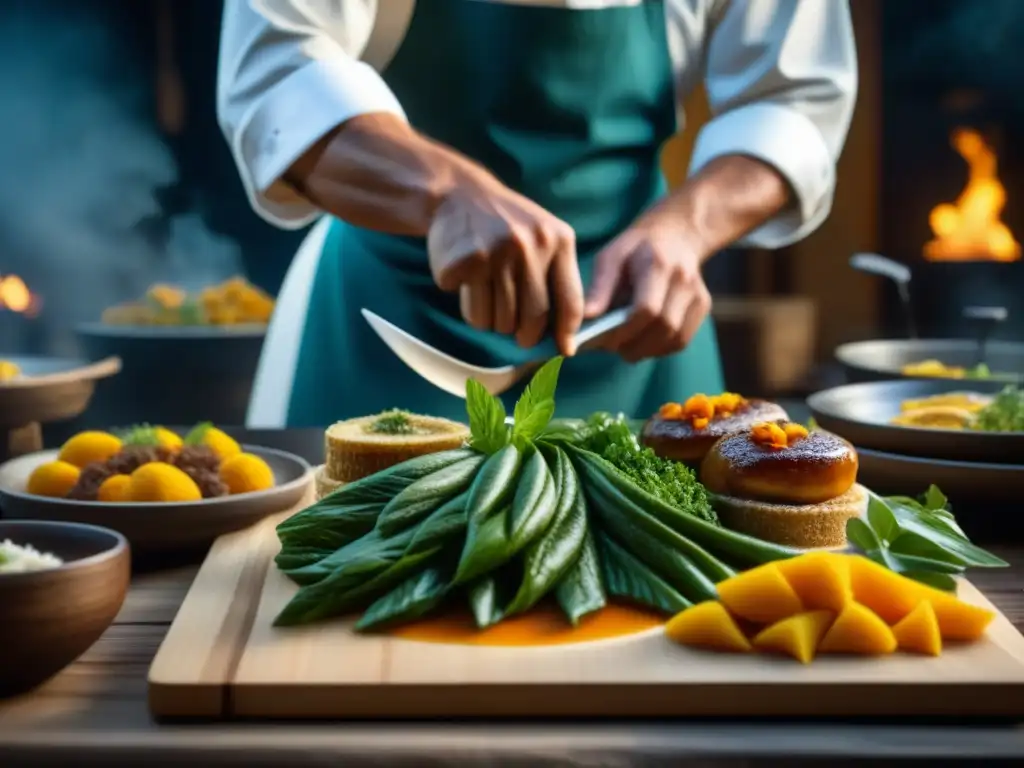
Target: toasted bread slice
808 526
323 484
353 449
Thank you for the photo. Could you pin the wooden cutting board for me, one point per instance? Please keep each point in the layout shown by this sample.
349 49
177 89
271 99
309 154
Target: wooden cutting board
223 659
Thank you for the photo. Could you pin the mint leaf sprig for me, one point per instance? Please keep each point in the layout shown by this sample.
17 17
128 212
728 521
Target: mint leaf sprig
918 538
533 411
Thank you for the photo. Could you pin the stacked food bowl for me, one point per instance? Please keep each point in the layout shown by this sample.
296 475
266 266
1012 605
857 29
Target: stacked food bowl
925 409
188 356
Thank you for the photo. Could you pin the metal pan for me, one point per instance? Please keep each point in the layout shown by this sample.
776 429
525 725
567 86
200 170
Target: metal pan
174 374
861 412
883 360
973 485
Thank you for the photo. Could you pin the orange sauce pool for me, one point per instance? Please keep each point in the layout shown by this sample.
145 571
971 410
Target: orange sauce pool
544 625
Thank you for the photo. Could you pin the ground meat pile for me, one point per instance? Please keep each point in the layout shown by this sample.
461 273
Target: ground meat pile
197 461
202 465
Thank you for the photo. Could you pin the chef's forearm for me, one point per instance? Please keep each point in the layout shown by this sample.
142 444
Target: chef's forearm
731 196
376 172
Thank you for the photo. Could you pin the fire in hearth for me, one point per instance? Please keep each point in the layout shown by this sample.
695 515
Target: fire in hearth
970 229
16 297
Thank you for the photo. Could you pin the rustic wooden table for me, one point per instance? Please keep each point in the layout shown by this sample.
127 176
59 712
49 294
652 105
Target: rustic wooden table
95 713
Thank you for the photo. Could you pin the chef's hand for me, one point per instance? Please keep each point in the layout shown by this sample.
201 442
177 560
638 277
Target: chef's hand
513 263
656 263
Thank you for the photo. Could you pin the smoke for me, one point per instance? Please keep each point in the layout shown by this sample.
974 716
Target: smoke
965 43
81 166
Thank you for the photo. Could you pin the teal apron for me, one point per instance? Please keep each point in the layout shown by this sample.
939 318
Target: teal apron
569 108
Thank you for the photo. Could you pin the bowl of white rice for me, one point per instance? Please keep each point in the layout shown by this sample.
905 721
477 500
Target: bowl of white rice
61 586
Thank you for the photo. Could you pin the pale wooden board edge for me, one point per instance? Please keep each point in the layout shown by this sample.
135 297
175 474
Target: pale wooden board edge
197 685
209 690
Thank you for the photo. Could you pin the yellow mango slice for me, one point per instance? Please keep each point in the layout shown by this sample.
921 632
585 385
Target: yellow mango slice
761 595
958 620
918 631
798 636
858 629
820 579
893 596
886 593
707 625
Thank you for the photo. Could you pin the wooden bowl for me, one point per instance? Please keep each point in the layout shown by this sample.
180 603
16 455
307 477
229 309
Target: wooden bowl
160 526
52 617
51 389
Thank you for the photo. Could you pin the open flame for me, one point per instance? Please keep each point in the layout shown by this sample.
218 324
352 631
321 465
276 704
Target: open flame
16 297
970 229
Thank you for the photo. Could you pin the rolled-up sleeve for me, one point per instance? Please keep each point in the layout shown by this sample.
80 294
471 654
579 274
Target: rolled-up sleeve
781 80
283 82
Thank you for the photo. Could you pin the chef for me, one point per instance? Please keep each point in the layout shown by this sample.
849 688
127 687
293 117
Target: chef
485 175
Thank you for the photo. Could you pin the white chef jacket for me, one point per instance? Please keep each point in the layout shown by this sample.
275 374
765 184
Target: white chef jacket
780 75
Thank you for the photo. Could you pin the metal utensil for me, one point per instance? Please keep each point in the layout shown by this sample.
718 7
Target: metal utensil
986 319
449 374
880 266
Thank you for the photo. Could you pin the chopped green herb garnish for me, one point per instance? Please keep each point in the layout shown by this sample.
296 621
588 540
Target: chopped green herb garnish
671 481
1004 414
392 423
980 371
140 434
197 433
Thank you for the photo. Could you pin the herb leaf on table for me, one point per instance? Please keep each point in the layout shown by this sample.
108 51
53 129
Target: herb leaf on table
918 538
882 519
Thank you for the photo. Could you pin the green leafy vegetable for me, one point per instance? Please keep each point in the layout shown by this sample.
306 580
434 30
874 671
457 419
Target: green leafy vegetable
351 586
734 547
882 519
536 405
942 581
534 504
625 576
487 543
490 596
488 432
327 525
379 487
918 538
547 559
861 535
296 557
366 552
612 438
581 592
417 500
412 599
445 526
685 565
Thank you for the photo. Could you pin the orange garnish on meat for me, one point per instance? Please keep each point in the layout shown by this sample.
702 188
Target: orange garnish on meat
700 409
770 434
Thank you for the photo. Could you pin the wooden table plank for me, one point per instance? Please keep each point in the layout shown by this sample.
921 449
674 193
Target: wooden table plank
96 710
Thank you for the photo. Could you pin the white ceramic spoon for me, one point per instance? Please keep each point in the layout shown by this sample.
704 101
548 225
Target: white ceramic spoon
451 375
